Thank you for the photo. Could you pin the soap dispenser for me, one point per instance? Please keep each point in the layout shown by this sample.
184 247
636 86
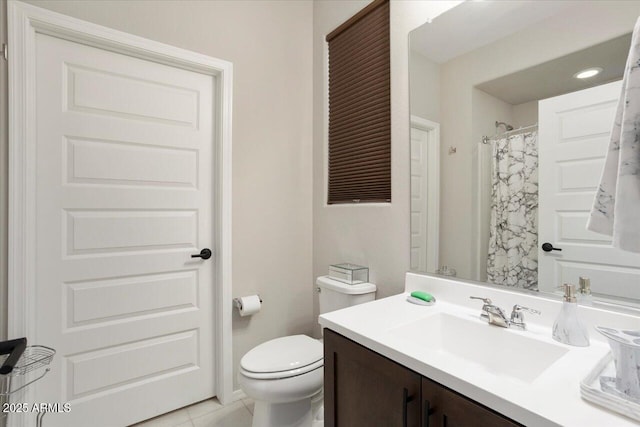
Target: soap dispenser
568 328
585 297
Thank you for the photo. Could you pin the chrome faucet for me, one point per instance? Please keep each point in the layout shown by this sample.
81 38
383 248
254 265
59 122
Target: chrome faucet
496 316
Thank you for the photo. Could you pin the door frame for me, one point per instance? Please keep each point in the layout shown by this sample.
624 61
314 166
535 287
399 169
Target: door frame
24 22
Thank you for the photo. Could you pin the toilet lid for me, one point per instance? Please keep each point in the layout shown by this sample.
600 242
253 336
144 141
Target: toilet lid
283 354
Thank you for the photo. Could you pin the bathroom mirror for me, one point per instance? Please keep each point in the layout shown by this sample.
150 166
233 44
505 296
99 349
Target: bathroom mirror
507 144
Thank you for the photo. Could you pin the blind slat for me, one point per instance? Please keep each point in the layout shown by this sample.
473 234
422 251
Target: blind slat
360 80
357 137
345 111
359 62
382 106
360 193
378 181
368 191
348 47
367 147
372 115
371 95
364 142
357 171
353 56
352 164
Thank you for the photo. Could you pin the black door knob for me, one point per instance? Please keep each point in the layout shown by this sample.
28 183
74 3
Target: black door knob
204 254
548 247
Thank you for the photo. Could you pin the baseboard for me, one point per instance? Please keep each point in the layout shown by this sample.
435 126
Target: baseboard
238 395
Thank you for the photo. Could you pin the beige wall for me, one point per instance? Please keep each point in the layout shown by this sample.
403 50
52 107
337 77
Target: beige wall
424 87
372 235
525 114
270 45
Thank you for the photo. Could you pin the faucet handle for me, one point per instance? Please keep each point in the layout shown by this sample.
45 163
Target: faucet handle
484 300
517 318
518 308
485 306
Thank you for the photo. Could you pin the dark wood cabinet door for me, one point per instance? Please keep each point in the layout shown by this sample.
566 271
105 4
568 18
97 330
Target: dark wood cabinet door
450 409
365 389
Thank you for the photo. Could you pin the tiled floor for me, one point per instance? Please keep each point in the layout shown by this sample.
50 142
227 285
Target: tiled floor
209 413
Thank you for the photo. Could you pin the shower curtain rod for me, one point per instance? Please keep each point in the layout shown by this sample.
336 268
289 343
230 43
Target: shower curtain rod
487 139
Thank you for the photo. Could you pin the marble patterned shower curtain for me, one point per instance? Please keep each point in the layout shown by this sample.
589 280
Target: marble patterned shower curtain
513 233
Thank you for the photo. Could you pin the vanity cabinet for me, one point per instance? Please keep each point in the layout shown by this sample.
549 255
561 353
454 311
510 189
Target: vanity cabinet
446 408
364 389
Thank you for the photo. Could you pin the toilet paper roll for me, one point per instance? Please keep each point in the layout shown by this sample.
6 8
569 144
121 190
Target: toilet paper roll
249 305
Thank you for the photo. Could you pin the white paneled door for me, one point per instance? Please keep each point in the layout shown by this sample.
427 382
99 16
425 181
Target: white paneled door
425 197
419 172
125 196
574 134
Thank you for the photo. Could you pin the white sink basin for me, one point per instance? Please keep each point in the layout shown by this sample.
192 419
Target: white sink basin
501 351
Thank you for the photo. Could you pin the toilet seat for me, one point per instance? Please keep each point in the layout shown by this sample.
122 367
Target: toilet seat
283 357
282 374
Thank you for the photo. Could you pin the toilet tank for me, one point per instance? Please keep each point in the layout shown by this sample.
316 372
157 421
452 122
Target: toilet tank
335 295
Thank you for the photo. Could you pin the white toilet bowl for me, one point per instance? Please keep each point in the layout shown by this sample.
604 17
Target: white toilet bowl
282 376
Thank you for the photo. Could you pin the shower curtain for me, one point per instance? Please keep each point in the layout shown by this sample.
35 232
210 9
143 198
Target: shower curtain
513 232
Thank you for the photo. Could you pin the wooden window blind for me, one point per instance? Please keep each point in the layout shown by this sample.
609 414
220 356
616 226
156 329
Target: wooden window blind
360 108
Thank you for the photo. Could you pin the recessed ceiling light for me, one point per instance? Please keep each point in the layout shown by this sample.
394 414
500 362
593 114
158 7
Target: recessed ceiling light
589 72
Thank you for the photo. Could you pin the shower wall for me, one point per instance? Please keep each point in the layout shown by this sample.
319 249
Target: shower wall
525 114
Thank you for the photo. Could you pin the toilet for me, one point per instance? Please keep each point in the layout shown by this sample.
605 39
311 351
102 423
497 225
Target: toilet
285 374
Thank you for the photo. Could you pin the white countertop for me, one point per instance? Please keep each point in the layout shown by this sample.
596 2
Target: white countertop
550 399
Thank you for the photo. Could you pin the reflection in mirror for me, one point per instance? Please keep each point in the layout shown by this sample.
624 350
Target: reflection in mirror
508 143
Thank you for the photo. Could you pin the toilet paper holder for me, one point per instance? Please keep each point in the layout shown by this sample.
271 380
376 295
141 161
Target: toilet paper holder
237 302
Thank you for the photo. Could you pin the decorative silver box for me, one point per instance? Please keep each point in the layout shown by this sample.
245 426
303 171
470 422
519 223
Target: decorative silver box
351 274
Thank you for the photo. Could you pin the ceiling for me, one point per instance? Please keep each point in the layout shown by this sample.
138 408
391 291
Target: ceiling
474 24
477 24
555 77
